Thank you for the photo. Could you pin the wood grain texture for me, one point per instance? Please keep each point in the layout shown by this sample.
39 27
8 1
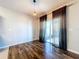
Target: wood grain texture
36 50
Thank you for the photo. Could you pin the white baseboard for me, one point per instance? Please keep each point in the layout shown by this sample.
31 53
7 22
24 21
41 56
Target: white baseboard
73 51
9 45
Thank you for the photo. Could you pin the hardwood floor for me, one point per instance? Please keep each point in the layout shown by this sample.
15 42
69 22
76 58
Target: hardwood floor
36 50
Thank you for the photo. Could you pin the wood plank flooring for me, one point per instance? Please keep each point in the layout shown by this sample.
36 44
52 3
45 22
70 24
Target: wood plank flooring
36 50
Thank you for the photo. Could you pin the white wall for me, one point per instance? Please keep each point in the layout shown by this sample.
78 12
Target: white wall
15 28
49 16
73 27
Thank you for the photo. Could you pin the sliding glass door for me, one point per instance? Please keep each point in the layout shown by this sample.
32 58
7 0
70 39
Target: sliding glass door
53 31
60 35
48 31
56 31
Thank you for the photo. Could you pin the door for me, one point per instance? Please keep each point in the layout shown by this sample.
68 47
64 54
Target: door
56 31
60 34
53 33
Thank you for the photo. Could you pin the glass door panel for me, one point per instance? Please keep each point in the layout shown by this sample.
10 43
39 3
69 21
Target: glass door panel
49 32
52 34
57 28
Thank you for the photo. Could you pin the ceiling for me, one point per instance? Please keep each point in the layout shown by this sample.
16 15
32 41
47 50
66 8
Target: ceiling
27 6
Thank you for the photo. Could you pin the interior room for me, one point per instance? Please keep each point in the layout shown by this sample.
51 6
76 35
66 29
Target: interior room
39 29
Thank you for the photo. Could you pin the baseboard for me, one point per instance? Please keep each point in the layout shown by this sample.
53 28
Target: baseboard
73 51
7 46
